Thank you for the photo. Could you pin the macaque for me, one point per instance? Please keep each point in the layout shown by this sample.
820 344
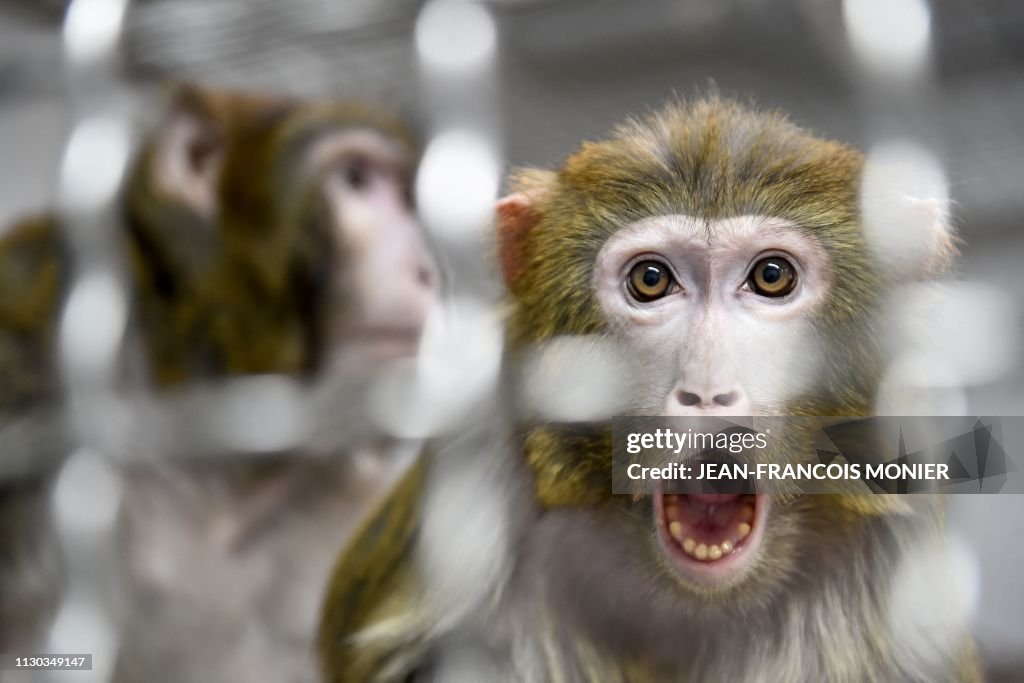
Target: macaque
261 236
31 440
693 239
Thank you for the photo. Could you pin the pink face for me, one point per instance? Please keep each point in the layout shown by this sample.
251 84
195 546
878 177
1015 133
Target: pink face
388 281
719 308
720 312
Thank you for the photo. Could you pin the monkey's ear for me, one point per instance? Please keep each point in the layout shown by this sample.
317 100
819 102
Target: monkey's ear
188 151
518 213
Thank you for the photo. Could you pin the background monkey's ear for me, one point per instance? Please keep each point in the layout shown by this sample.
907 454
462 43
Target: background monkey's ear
188 150
518 213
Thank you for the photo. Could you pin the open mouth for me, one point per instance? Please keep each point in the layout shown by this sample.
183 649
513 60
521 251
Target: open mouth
711 537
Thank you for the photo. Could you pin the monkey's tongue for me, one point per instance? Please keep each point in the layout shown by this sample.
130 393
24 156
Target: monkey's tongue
708 527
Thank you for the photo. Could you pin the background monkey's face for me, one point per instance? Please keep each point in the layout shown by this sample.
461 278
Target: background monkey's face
720 251
273 235
388 280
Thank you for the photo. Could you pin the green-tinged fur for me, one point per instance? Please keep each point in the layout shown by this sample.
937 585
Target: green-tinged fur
32 273
369 622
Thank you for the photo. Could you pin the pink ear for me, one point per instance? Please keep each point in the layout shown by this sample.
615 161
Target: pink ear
516 217
188 151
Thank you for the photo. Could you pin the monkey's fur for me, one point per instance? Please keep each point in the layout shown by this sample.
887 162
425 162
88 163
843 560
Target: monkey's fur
239 290
583 592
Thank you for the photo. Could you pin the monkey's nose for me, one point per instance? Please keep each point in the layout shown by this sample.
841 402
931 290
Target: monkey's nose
722 401
426 274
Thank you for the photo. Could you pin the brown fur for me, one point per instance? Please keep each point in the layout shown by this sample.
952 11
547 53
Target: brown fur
244 295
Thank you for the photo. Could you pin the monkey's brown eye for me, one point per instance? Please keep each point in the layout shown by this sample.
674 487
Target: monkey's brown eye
649 280
356 174
773 276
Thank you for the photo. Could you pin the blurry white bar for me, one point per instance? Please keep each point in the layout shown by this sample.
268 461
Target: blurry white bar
91 330
456 189
456 38
892 38
575 379
455 390
459 179
458 183
92 29
904 198
94 163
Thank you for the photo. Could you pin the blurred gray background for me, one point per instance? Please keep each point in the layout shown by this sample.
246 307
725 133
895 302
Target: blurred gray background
571 69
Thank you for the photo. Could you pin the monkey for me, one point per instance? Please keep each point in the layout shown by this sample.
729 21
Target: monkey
260 235
687 238
31 440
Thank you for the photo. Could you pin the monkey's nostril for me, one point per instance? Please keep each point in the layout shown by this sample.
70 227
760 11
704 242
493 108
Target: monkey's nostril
688 398
425 276
726 400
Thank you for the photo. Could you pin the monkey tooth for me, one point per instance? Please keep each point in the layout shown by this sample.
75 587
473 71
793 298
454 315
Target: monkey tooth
709 534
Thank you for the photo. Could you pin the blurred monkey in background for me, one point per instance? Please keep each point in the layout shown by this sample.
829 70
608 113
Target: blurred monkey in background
721 251
263 235
32 441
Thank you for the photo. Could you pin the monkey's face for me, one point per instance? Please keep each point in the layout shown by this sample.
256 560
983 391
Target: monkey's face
276 235
721 252
387 281
722 313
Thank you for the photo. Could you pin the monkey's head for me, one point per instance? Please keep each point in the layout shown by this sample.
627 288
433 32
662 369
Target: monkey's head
722 252
275 235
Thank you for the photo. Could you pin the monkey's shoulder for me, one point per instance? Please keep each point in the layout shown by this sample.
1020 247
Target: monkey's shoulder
32 276
371 627
31 272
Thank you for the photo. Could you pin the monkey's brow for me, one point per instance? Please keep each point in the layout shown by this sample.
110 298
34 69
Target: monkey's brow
331 147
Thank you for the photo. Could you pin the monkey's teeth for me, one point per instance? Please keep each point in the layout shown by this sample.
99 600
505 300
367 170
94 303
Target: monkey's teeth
708 528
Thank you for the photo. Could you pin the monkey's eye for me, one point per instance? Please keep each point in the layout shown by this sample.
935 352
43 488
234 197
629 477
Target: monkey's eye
773 277
649 280
356 173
